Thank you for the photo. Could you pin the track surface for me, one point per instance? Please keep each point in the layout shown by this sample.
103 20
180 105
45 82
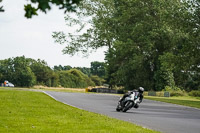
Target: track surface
164 117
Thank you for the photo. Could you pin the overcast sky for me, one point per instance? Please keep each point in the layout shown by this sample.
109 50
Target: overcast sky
33 37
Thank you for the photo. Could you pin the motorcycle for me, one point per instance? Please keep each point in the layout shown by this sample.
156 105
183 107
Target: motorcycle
130 101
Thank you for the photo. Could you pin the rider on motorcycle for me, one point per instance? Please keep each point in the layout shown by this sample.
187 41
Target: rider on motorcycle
140 95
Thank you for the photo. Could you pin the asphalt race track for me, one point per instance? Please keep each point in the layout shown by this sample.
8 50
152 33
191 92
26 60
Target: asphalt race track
164 117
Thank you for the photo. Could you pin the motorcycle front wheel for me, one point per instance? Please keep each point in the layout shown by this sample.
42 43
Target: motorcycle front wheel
118 108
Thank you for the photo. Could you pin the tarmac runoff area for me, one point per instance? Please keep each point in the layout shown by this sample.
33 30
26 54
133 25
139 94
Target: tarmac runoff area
163 117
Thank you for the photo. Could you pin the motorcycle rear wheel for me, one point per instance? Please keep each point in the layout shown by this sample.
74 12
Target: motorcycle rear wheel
118 108
127 106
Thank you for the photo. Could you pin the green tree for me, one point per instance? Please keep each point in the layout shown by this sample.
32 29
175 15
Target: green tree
142 37
146 30
44 74
6 70
17 71
61 68
84 70
98 68
84 39
23 75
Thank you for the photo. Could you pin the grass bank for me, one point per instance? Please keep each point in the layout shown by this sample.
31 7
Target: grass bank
27 111
186 101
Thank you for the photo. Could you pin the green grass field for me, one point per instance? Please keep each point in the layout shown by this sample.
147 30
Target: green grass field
35 112
186 101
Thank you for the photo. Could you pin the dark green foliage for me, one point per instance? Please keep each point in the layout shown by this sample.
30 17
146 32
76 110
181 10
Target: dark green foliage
193 82
145 51
1 7
61 68
98 68
45 5
30 11
45 75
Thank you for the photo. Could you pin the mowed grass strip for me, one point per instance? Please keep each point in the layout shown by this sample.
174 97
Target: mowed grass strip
35 112
47 89
186 101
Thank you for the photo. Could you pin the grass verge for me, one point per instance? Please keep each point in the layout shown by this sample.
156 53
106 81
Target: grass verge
27 111
46 89
186 101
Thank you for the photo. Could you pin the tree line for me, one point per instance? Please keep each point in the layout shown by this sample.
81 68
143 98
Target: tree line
27 72
154 44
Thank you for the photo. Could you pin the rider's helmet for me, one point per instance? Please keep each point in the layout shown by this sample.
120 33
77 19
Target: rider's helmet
141 89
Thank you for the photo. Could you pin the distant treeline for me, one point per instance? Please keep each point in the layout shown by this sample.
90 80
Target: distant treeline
27 72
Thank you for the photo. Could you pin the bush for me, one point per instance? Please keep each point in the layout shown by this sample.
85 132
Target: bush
74 78
175 91
160 93
97 80
194 93
168 88
145 93
178 93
